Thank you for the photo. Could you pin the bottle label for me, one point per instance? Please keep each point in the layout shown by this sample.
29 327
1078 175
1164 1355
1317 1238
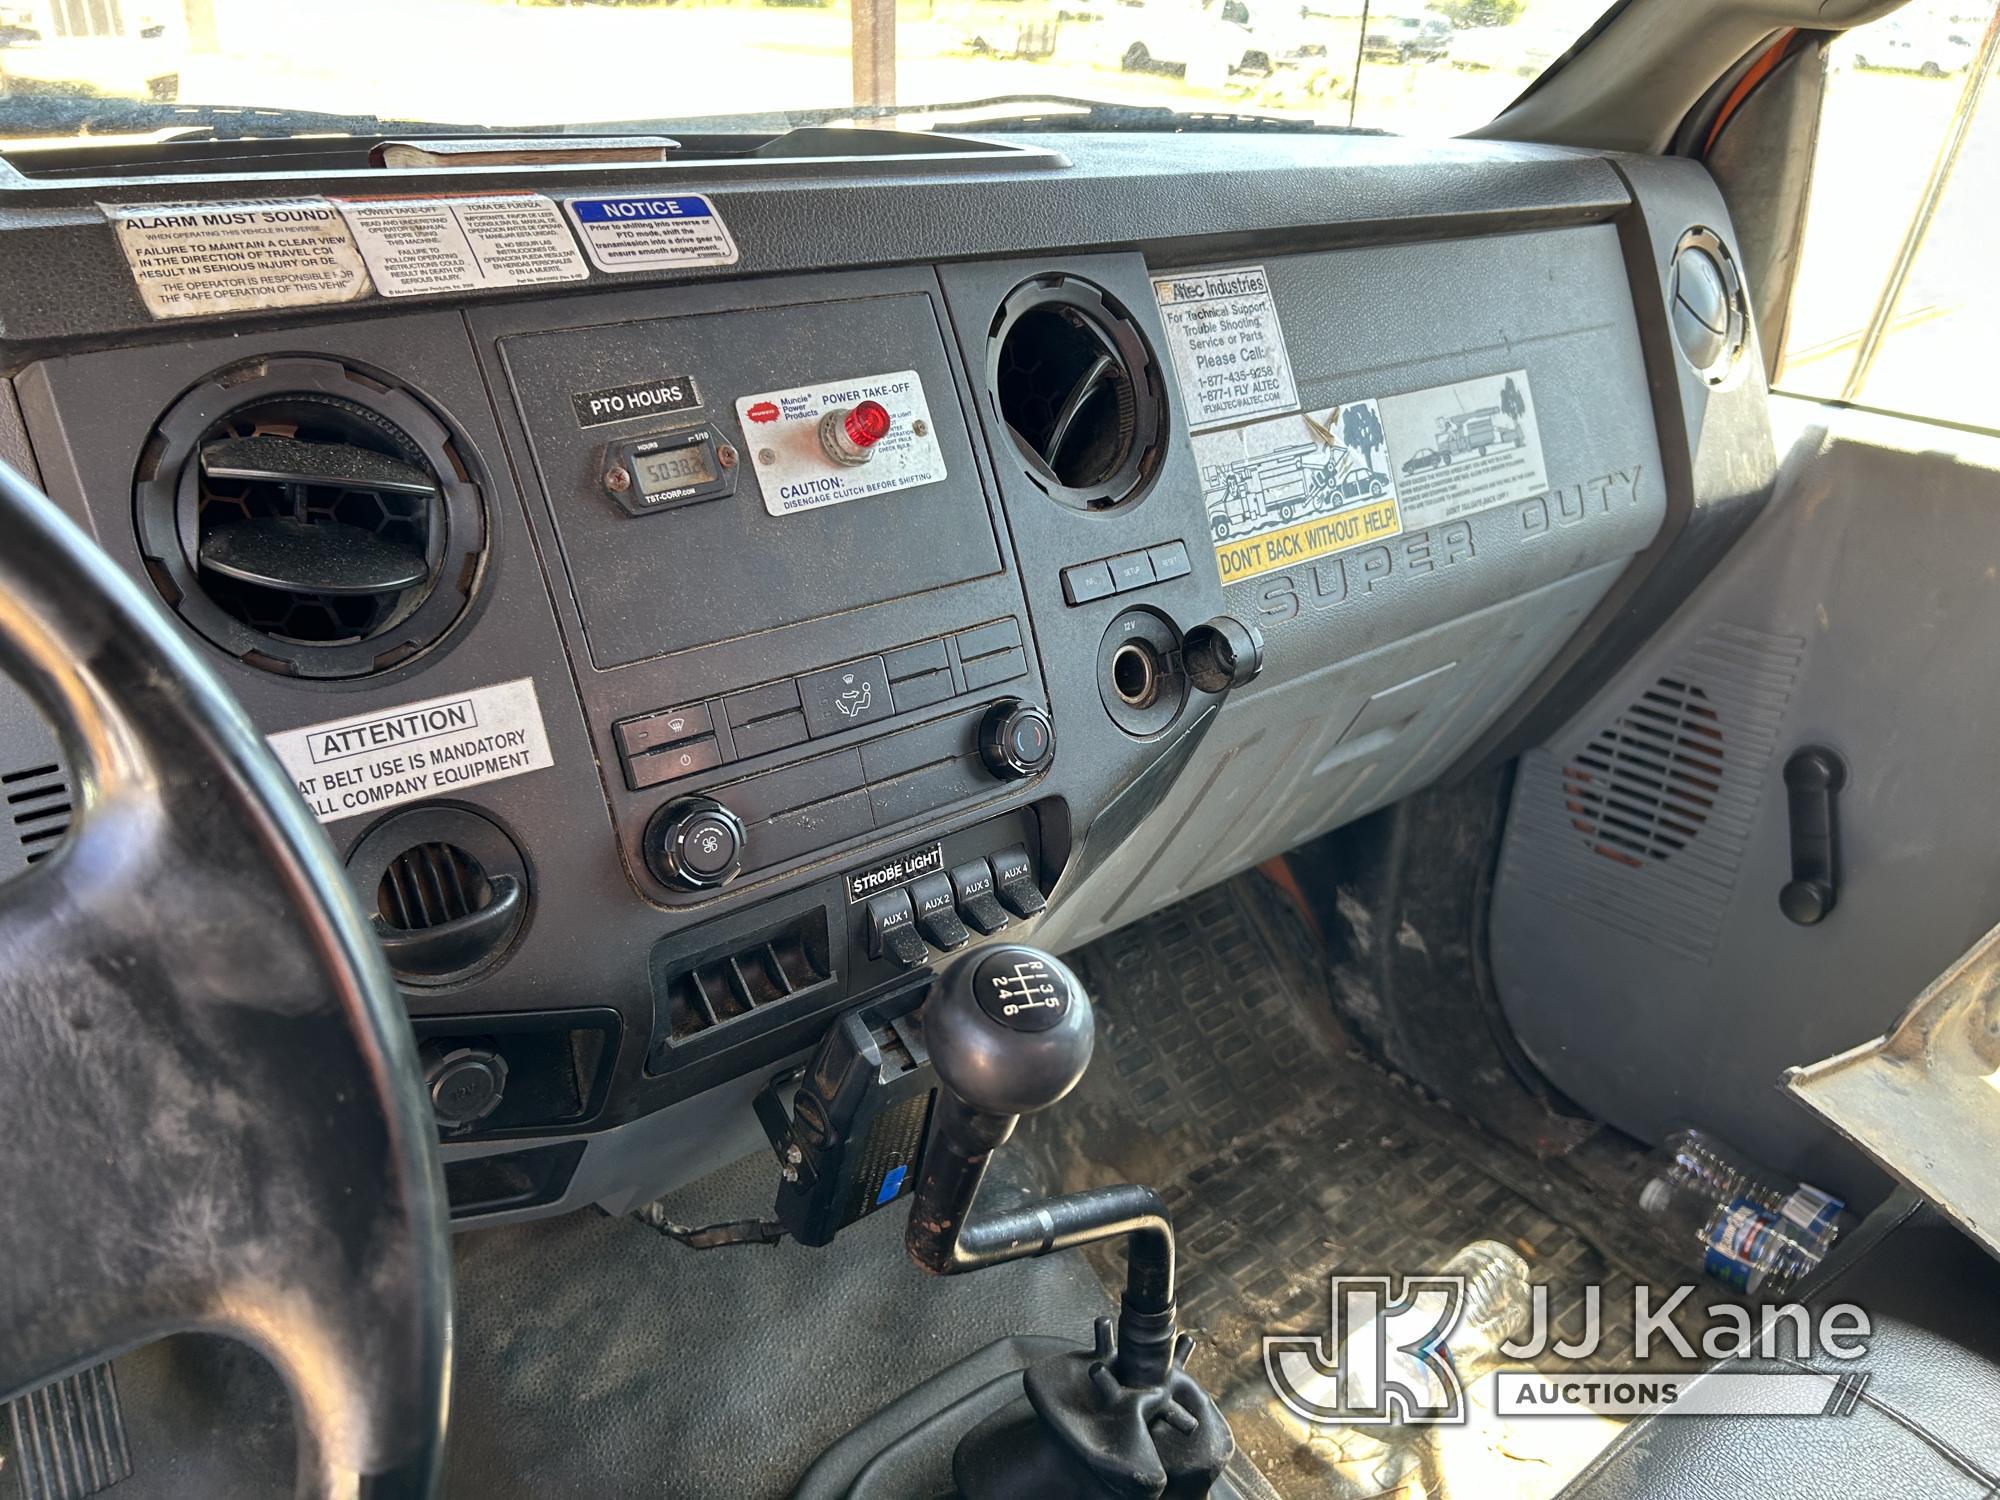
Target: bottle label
1739 1241
1812 1210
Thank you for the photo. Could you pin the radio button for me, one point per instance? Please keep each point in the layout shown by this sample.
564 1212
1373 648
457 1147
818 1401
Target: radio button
672 763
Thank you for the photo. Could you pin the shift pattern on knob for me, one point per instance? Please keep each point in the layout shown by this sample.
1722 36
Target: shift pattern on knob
1009 1030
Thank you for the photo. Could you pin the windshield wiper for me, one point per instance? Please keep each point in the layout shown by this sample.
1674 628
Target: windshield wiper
1053 112
63 115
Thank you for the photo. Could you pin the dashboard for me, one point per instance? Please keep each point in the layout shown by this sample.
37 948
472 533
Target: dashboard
694 600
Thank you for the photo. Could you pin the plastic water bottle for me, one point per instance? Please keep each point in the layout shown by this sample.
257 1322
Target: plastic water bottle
1751 1234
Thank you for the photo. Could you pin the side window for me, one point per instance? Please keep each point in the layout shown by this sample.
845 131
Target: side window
1897 300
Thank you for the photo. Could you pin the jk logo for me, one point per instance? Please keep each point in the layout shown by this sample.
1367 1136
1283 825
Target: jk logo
1383 1361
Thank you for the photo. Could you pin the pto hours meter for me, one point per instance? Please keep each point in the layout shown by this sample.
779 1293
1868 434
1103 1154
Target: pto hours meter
648 474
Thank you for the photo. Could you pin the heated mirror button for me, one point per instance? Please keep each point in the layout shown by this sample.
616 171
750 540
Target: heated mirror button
846 697
892 930
1014 882
672 763
937 913
972 885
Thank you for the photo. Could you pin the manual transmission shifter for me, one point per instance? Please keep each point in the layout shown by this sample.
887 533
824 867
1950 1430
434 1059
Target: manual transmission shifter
1009 1031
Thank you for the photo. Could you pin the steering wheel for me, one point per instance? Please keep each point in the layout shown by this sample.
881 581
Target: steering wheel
210 1111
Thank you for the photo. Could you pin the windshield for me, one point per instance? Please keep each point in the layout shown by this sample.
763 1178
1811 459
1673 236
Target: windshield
1396 65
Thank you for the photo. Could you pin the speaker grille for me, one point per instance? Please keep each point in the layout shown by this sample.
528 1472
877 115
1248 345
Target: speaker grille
38 807
1645 826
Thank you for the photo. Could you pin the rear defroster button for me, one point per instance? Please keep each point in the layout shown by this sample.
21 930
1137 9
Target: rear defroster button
849 434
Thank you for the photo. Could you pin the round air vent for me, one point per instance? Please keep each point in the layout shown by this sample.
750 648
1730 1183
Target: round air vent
1710 314
1070 375
448 891
310 519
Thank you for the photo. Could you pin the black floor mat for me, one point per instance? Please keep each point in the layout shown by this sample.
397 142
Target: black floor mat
1286 1158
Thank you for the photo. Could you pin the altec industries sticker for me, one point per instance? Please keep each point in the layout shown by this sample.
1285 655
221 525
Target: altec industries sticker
462 244
1289 489
1227 347
660 232
794 471
361 764
195 259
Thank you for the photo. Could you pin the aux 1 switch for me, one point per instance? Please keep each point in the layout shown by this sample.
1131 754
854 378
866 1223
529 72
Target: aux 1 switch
1016 739
892 930
695 844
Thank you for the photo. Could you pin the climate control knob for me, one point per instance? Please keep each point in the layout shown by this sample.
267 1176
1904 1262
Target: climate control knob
695 844
1016 739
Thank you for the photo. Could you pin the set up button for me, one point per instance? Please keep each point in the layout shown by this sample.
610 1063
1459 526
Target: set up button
1127 571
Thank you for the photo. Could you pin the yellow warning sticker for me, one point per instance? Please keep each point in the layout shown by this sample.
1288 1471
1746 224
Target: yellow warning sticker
1321 537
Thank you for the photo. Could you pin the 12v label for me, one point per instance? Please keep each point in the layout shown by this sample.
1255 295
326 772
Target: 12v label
439 746
794 470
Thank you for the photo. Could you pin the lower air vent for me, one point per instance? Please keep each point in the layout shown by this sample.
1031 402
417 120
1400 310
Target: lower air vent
1070 375
448 890
715 994
1643 788
37 805
311 519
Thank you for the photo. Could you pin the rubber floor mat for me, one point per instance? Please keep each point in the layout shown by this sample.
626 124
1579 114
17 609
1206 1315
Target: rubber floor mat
1286 1157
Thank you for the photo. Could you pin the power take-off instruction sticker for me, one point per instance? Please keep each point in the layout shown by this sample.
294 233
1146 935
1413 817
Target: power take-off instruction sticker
460 244
441 746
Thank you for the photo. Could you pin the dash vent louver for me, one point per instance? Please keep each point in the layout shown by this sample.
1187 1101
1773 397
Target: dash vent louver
38 805
1071 378
310 518
1643 788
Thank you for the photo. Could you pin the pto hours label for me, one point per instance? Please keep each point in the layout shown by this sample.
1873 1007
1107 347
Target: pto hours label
361 764
1227 347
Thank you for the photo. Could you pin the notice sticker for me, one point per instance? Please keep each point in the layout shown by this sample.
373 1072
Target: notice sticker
441 746
1290 489
1464 447
652 233
451 244
194 259
782 429
1227 347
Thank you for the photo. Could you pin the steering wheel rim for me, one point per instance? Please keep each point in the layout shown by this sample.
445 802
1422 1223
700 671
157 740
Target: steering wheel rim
213 1114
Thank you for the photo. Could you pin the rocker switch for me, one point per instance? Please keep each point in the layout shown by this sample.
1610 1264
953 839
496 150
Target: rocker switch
937 913
1014 882
892 930
972 884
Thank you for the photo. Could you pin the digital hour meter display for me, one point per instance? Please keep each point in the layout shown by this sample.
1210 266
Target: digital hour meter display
673 469
667 469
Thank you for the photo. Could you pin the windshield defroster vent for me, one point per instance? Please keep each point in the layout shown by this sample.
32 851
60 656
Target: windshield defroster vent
310 519
1070 375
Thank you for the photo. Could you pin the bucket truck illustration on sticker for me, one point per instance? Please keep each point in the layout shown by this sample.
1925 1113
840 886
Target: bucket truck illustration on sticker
1291 468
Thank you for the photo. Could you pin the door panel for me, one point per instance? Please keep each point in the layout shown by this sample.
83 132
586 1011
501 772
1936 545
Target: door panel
1637 943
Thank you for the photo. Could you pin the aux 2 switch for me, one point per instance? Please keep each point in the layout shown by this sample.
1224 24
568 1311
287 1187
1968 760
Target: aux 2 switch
695 844
937 913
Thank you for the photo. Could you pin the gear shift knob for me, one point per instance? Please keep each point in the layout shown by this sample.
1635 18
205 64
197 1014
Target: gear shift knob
1009 1031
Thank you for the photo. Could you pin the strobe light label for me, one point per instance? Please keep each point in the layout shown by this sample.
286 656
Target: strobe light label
366 762
886 874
